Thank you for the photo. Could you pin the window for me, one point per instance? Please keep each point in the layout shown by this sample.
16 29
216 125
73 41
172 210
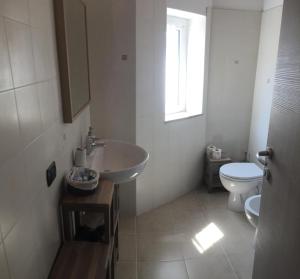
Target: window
176 64
185 56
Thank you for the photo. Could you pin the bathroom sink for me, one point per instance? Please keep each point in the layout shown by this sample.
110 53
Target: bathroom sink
118 161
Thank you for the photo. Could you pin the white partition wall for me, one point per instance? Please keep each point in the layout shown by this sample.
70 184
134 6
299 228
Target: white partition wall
266 66
176 148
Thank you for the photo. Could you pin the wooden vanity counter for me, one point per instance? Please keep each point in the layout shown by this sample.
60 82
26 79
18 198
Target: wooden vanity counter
102 197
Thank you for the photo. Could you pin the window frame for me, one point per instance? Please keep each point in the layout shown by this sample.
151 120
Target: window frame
182 26
192 96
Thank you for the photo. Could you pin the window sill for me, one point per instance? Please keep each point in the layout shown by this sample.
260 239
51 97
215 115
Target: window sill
181 116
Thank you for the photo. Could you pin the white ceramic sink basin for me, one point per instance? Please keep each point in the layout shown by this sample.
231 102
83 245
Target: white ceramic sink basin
118 161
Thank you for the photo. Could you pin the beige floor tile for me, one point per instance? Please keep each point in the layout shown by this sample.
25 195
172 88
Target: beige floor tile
126 270
192 202
188 200
168 235
157 247
231 224
236 244
210 267
127 225
181 214
242 264
158 221
190 225
188 213
213 200
127 247
193 248
162 270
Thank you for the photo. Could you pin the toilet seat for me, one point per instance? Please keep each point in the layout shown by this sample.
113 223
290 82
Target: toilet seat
241 172
241 180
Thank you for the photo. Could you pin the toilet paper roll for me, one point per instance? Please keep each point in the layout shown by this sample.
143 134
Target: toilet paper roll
217 154
210 149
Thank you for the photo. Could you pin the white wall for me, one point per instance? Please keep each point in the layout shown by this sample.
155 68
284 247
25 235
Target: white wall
176 148
269 4
233 57
111 32
32 136
196 6
255 5
266 66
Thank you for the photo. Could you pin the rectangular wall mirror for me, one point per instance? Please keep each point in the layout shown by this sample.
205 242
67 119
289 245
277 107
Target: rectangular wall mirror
71 34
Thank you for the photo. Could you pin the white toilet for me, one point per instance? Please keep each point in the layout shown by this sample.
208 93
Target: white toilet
242 181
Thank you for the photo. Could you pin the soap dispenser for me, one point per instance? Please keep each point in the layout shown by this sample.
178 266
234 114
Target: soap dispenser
80 157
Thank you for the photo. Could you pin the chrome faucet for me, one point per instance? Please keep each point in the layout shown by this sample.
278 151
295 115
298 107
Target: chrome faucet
91 141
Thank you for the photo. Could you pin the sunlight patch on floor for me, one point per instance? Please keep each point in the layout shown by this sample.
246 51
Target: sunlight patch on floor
205 239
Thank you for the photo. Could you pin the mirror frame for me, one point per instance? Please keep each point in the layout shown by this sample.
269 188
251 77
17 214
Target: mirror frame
63 61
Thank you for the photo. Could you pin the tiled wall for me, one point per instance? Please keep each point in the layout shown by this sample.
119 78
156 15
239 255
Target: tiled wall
176 148
233 61
113 77
31 137
269 4
263 92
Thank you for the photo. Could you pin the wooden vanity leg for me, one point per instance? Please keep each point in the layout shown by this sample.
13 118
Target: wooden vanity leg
117 243
112 274
67 224
76 222
107 222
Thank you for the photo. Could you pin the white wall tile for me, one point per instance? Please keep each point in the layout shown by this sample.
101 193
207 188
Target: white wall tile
21 52
269 4
43 54
9 126
56 91
113 106
32 136
29 112
36 163
4 273
233 61
145 126
176 147
48 100
41 14
15 9
28 208
22 245
15 193
264 84
53 135
5 70
196 6
255 5
145 189
46 214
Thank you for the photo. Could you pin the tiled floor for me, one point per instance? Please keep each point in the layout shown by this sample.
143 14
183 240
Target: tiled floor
194 237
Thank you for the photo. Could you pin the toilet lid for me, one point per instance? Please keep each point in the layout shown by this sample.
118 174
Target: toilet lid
241 171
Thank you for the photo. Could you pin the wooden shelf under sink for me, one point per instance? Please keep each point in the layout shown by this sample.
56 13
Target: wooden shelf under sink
103 252
79 260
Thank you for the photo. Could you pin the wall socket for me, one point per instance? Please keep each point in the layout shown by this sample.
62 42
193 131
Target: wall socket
51 174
